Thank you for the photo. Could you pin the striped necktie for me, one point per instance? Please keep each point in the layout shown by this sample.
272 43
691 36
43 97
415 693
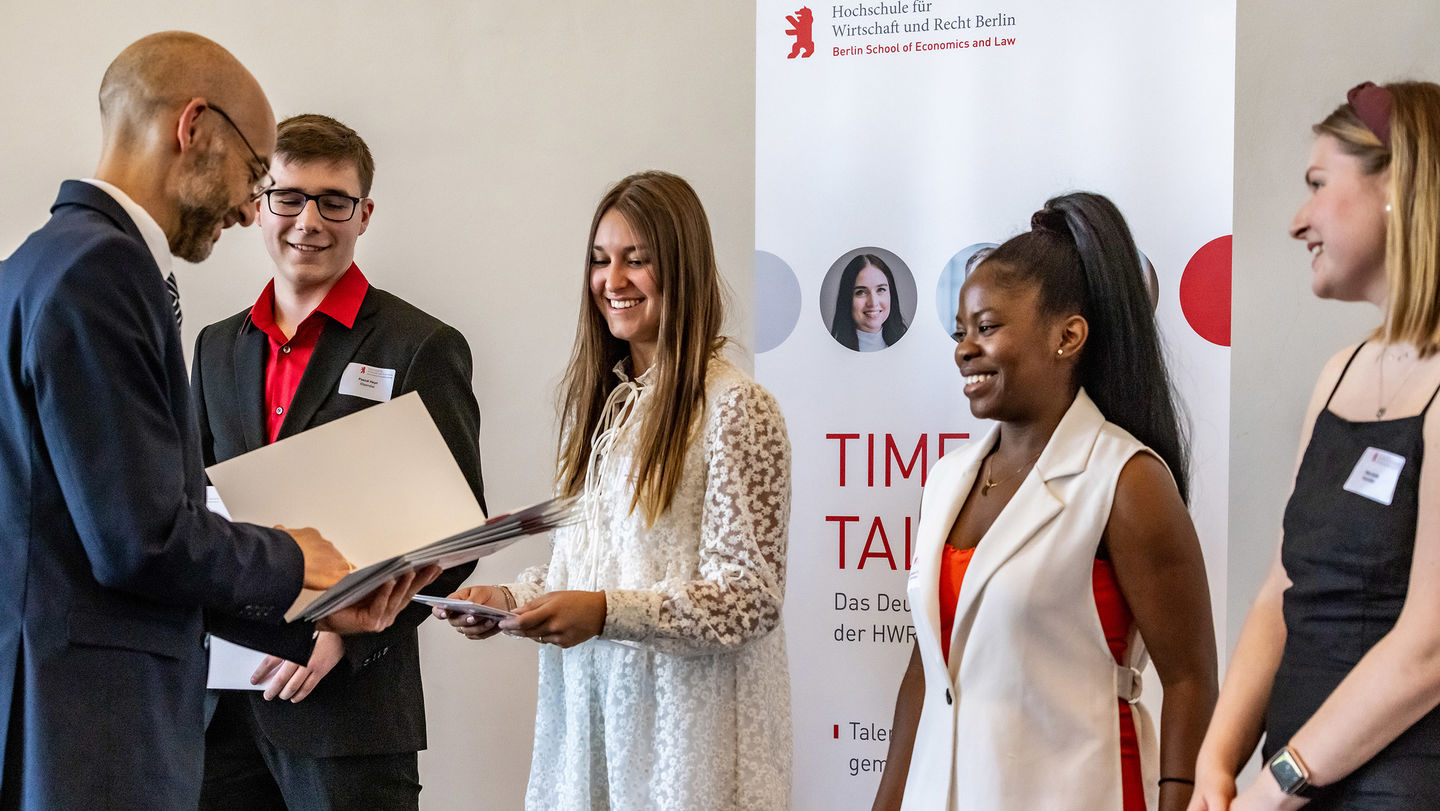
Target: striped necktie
174 297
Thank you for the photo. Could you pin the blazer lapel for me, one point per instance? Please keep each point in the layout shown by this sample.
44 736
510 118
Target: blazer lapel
937 518
249 361
333 352
1032 507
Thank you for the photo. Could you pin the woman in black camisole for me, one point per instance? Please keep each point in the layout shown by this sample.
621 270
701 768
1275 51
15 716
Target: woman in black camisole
1338 665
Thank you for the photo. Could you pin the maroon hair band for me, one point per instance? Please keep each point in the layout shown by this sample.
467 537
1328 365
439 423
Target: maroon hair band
1373 104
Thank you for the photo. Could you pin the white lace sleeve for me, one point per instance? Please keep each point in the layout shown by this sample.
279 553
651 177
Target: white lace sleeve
533 581
744 523
529 584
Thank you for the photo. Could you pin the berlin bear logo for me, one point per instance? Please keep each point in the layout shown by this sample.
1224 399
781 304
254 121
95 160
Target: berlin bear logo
803 20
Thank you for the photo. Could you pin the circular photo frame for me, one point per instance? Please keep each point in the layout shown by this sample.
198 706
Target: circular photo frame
868 299
957 270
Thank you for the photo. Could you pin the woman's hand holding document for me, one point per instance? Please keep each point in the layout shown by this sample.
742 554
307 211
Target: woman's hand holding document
480 622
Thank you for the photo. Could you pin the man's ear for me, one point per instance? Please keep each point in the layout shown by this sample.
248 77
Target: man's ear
367 207
186 127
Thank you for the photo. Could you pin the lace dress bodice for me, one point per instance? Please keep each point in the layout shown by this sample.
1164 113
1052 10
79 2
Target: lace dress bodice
697 714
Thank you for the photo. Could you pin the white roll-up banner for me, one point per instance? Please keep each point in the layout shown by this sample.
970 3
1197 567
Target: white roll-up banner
921 132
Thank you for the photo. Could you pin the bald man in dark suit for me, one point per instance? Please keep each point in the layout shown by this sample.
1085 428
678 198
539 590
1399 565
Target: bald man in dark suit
108 556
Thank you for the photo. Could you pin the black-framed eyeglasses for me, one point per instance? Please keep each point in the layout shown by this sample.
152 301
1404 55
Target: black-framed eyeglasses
333 207
263 181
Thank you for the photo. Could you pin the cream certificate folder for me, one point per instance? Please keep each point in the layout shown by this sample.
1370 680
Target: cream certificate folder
375 483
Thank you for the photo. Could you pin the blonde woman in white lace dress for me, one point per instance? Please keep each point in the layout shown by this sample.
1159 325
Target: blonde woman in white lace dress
663 679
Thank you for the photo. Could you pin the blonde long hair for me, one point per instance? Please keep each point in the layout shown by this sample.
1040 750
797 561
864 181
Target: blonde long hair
1412 225
667 217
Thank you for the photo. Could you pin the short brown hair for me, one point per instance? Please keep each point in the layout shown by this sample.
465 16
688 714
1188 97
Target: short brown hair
311 137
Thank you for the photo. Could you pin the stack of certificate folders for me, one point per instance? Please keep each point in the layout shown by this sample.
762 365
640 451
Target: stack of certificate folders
472 544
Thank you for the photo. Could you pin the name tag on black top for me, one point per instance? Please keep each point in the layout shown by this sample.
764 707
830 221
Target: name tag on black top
1375 475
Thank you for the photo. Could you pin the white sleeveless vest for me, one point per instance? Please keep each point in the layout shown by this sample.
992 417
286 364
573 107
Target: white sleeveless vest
1024 716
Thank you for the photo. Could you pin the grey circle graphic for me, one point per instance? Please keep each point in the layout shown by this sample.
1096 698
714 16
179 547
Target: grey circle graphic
777 301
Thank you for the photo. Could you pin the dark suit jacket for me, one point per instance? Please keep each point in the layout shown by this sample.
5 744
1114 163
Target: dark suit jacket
107 553
374 704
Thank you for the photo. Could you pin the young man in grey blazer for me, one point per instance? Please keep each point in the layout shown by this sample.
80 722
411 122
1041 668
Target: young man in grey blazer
342 729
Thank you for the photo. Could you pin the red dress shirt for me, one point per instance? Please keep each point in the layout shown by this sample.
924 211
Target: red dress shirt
287 359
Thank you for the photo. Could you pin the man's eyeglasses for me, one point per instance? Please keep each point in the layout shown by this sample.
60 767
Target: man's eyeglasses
263 181
289 203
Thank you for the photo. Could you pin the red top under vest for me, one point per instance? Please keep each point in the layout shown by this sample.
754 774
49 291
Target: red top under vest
1115 619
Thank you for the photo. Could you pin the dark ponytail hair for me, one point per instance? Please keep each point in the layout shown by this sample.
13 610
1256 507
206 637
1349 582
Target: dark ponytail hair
842 326
1081 257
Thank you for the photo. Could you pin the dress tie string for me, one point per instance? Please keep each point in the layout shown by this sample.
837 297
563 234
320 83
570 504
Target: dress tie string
613 416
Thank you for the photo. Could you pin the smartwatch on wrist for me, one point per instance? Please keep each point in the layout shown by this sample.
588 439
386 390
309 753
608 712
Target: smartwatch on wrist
1290 773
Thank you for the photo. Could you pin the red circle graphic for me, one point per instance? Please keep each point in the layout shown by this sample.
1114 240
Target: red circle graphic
1205 291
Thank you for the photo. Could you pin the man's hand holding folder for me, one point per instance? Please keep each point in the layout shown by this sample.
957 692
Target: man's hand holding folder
325 566
377 611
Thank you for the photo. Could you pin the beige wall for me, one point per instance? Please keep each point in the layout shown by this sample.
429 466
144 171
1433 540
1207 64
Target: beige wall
495 126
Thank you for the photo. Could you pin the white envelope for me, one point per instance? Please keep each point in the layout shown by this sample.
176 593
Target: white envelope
230 664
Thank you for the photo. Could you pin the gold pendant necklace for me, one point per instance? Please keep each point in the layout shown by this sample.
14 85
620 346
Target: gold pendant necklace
989 483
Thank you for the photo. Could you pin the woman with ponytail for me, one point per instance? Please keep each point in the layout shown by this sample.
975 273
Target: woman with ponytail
1338 663
1055 553
663 678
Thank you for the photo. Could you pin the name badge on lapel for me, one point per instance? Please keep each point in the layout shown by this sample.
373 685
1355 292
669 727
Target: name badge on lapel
1376 475
370 382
